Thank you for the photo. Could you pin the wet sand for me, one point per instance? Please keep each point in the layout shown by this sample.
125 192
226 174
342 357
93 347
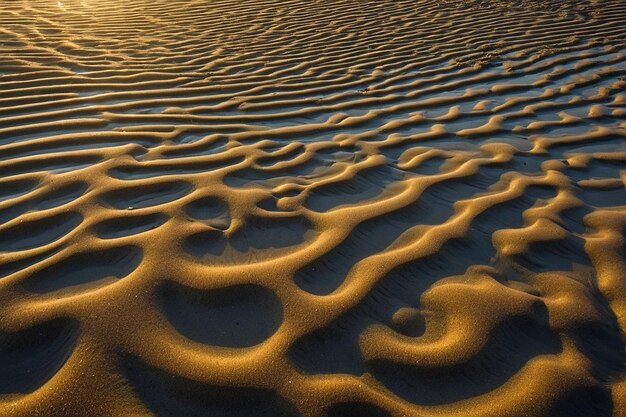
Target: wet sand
312 208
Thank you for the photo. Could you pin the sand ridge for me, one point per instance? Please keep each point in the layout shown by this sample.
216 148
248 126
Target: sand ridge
316 208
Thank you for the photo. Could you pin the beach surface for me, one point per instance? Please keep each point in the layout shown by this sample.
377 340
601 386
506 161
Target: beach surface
312 208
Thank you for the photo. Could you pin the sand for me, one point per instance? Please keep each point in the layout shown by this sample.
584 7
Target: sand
312 208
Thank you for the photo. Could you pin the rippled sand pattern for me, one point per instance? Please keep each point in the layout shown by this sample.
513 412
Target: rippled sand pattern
312 208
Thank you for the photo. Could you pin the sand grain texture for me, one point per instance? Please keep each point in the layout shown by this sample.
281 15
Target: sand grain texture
312 208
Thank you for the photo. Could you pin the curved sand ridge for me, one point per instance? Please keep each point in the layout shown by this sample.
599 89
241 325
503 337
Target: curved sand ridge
317 208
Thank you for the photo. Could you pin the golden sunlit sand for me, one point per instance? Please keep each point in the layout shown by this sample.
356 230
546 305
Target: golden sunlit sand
312 208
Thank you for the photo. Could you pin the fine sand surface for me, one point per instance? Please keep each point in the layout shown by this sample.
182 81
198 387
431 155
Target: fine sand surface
312 208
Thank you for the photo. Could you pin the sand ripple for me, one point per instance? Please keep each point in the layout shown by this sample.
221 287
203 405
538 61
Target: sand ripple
318 208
